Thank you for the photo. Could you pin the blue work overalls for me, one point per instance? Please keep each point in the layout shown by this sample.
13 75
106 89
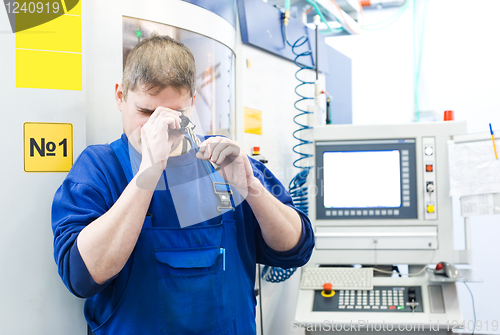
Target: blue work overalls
177 281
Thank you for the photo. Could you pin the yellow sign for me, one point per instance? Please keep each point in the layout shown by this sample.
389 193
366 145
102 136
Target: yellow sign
48 147
253 121
49 45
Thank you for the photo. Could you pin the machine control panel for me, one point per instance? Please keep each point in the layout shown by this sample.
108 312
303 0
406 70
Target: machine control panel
429 170
385 299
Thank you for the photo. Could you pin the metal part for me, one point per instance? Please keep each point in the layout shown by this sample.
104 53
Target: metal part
186 129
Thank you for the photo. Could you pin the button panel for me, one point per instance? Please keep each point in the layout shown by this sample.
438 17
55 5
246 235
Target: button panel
429 180
393 299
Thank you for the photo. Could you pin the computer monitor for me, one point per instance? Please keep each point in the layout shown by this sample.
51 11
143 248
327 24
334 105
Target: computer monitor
366 179
380 194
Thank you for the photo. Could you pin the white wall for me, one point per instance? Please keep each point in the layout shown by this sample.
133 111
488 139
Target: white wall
459 71
33 298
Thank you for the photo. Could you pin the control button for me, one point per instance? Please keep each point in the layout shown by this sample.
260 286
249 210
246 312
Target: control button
430 209
365 212
359 307
383 212
396 212
341 213
401 307
334 213
327 290
353 213
406 204
377 212
328 213
366 307
404 158
350 307
341 307
430 186
383 307
405 152
406 198
392 307
389 212
429 150
346 213
371 212
406 181
375 307
428 168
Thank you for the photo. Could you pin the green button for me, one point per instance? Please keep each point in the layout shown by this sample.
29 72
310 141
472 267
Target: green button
401 307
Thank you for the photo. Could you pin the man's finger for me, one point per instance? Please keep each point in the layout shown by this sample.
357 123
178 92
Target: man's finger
227 155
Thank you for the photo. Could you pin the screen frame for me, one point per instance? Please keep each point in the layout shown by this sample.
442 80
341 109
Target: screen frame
360 213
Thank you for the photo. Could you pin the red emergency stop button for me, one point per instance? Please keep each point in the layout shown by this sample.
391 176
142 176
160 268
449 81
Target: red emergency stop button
327 290
428 168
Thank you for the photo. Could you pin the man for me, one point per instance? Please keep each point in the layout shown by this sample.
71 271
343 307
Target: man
124 236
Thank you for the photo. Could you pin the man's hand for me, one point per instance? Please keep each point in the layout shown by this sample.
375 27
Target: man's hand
235 166
281 225
158 136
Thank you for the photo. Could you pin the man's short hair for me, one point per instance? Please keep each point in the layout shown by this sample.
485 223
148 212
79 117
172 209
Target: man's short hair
158 62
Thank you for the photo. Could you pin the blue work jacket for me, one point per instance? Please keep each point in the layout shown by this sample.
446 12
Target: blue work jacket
185 275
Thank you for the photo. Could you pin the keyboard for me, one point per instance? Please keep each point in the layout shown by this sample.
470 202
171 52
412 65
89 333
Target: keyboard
340 278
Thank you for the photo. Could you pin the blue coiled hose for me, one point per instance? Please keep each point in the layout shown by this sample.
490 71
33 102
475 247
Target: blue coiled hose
297 187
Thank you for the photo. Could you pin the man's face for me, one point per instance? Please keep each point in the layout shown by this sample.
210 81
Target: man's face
139 106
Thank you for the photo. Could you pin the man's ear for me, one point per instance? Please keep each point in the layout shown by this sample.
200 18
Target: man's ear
194 98
119 95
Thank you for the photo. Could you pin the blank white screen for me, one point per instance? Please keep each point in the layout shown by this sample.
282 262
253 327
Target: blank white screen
362 179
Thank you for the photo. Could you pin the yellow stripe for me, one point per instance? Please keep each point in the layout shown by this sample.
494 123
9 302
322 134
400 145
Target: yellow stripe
61 34
64 6
48 70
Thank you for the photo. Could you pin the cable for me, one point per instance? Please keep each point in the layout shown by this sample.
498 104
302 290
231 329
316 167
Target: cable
321 15
345 21
411 274
391 19
297 187
418 55
319 12
473 307
260 304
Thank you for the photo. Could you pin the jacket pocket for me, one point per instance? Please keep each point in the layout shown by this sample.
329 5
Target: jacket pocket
191 281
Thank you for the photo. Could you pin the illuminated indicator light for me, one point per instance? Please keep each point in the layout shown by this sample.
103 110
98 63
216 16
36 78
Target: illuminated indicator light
430 209
428 168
